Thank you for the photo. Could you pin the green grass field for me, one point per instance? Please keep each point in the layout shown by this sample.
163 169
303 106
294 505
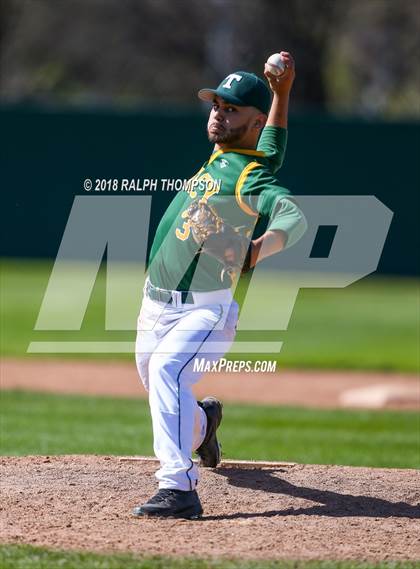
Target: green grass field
27 557
37 423
372 324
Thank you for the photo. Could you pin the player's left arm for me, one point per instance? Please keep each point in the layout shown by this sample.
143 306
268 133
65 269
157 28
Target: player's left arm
287 225
273 241
262 194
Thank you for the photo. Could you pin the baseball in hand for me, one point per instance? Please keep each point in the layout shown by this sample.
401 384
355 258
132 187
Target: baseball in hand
275 64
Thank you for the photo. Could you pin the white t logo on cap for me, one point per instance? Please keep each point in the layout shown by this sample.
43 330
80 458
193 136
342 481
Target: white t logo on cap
230 78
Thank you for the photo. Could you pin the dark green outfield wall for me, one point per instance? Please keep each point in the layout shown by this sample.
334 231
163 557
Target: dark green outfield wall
47 154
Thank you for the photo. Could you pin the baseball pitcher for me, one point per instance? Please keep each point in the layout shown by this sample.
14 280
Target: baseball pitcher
202 245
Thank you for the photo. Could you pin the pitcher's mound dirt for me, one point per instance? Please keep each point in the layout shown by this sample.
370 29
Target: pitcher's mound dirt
288 512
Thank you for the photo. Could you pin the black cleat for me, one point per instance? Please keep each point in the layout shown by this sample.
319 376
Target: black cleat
210 450
171 504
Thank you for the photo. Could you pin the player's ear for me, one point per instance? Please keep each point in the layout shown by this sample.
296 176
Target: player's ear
260 121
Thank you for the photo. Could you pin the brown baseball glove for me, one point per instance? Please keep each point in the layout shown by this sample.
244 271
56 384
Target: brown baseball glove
219 239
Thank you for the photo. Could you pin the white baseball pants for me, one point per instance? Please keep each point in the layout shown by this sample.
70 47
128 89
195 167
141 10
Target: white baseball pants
169 339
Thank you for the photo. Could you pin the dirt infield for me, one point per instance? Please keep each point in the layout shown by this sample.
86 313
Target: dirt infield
303 388
288 512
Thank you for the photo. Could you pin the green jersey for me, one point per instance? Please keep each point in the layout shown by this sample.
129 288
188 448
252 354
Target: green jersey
241 186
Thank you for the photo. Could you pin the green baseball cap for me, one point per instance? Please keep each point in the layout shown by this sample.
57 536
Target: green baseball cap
243 89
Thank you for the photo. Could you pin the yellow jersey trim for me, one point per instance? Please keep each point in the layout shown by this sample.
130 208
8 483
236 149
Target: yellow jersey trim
214 156
193 193
238 151
240 183
248 152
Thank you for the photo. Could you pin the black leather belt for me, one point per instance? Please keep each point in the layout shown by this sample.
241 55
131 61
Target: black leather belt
163 295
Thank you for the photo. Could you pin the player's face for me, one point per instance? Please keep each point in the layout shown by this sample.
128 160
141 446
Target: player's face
230 124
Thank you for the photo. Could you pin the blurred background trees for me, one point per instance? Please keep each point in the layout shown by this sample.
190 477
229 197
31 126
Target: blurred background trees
353 56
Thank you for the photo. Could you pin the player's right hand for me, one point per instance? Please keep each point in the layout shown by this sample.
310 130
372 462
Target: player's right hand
281 84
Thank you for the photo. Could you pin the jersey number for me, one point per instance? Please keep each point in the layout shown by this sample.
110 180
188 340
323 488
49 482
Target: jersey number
213 188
